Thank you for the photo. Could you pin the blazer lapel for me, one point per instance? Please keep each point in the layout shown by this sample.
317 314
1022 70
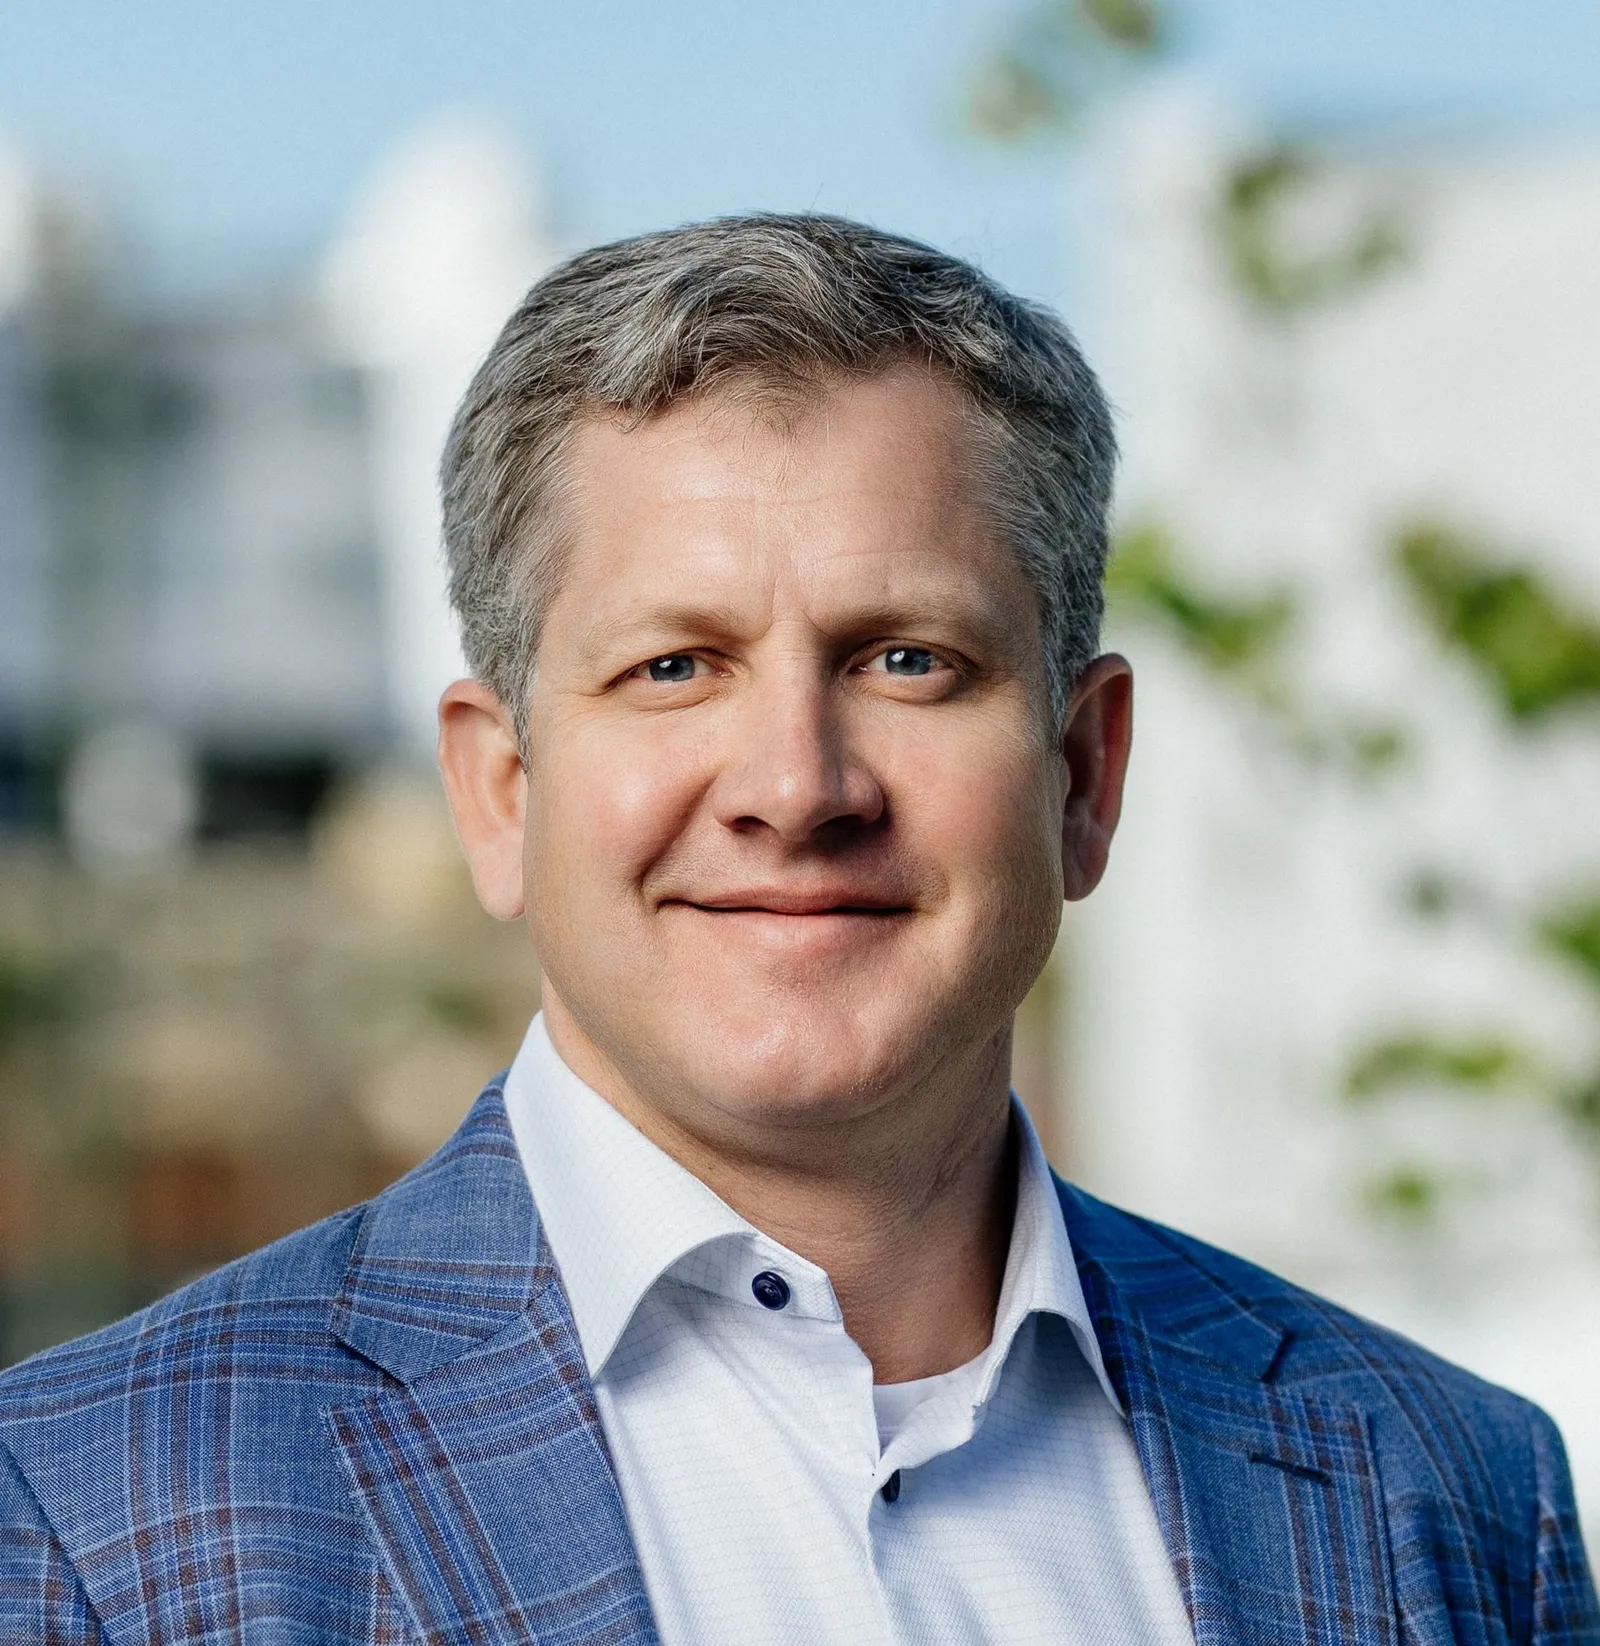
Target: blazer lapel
483 1471
1268 1501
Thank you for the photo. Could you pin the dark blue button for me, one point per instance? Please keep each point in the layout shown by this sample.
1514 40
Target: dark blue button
771 1289
891 1487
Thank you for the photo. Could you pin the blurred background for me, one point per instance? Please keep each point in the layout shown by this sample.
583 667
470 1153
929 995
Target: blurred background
1338 1003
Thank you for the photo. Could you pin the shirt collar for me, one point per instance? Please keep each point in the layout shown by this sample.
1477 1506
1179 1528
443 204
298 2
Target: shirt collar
1041 1271
620 1214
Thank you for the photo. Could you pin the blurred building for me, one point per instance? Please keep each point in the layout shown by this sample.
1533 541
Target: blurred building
190 545
222 524
438 251
1264 917
23 502
243 979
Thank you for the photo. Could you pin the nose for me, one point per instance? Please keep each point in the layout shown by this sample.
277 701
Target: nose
793 766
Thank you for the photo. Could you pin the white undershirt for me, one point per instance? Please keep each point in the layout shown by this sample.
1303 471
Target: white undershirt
893 1403
775 1496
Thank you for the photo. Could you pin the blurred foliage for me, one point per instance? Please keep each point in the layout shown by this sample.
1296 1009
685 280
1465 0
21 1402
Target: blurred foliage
1571 930
1133 24
1242 640
1537 652
1539 655
1258 189
1408 1193
33 994
1566 929
1435 894
1237 636
1370 748
1582 1105
1060 56
459 1007
1479 1063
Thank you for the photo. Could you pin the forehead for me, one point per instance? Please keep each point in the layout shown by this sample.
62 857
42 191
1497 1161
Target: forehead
863 490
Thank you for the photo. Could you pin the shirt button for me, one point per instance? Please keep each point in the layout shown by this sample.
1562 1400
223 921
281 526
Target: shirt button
771 1289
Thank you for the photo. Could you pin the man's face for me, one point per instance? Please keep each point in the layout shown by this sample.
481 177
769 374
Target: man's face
794 815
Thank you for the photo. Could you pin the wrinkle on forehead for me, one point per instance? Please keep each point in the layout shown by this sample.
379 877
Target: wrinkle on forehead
738 443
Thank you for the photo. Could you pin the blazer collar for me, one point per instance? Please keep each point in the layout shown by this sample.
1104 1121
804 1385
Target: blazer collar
1269 1500
453 1253
1129 1273
482 1473
446 1257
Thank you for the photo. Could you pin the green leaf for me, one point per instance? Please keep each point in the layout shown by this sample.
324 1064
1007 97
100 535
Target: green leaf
1536 651
1011 99
1436 894
1480 1064
1269 271
1371 748
1058 57
1134 25
1228 635
1582 1104
1411 1193
1571 931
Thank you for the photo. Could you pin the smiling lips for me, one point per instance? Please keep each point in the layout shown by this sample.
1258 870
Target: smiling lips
777 901
798 924
816 922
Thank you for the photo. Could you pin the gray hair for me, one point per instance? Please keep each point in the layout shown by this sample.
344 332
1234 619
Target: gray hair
782 302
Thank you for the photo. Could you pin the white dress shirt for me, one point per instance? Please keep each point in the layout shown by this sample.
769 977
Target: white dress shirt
774 1495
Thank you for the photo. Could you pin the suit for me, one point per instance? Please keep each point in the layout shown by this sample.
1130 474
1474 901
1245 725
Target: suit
380 1430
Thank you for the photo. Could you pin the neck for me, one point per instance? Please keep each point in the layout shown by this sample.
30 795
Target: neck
910 1217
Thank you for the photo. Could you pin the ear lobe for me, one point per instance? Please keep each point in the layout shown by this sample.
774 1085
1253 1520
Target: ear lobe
1094 745
487 788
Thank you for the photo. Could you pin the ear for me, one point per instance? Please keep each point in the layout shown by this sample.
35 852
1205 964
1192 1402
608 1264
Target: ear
488 792
1094 745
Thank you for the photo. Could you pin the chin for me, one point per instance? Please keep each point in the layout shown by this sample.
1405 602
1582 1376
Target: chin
798 1067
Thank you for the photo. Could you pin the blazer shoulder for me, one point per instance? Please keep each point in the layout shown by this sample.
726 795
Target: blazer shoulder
1324 1341
274 1317
286 1287
1474 1478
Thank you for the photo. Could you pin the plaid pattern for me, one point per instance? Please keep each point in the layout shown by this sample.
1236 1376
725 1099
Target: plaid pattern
1320 1480
380 1431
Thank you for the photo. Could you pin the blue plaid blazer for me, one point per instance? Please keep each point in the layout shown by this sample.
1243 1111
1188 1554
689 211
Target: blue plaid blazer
380 1430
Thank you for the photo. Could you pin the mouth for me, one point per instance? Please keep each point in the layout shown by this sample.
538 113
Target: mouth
795 905
813 925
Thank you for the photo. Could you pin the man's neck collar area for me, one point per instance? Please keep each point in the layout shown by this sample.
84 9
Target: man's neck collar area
621 1216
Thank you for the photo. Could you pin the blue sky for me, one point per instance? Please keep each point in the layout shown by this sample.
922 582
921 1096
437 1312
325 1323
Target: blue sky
231 137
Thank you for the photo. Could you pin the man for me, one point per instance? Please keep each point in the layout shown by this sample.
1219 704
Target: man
743 1307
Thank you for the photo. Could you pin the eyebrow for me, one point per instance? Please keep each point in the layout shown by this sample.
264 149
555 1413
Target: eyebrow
670 624
631 628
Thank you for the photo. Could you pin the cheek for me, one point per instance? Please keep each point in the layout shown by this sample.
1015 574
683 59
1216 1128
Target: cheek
602 809
990 814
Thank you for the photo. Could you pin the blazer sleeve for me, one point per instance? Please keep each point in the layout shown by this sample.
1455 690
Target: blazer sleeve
41 1598
1564 1606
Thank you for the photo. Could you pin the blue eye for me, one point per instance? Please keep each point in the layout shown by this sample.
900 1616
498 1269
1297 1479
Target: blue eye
909 660
671 669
